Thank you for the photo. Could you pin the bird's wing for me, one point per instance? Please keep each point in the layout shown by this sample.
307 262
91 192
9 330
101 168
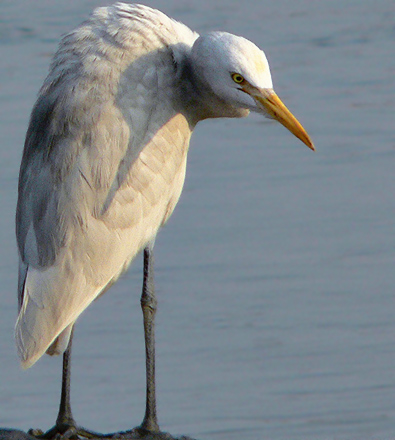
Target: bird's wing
103 166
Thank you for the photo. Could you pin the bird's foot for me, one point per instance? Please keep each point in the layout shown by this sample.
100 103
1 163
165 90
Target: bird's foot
66 433
78 433
140 433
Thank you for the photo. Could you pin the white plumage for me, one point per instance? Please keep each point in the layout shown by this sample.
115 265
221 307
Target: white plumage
106 149
112 184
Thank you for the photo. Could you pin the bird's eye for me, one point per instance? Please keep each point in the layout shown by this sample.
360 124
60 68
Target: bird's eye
237 78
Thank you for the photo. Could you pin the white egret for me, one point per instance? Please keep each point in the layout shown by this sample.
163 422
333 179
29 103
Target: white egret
104 165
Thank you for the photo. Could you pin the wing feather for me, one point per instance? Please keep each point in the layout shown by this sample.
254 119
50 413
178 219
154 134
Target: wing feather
97 170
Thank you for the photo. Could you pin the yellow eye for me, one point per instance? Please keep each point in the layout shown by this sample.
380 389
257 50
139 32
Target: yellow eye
237 78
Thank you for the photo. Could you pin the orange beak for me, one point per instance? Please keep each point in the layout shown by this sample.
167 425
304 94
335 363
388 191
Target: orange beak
270 103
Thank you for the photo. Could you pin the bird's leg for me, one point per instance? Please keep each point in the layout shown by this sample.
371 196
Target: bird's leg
65 418
148 305
65 427
65 424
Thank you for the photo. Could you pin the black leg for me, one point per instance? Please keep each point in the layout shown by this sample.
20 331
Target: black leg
65 424
65 427
148 305
65 420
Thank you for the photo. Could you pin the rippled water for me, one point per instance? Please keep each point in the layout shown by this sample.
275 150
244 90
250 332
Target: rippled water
275 275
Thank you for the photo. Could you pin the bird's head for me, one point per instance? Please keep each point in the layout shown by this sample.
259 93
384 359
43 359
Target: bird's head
237 71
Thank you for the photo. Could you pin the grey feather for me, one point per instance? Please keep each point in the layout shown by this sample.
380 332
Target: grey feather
105 154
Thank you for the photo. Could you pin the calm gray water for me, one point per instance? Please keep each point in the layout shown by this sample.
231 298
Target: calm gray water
275 275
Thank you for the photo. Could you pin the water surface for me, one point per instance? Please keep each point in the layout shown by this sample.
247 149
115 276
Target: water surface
275 274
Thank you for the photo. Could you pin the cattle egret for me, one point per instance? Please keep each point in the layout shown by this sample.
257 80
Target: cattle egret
104 165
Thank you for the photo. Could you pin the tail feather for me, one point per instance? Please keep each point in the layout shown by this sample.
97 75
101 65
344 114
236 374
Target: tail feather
46 317
32 336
